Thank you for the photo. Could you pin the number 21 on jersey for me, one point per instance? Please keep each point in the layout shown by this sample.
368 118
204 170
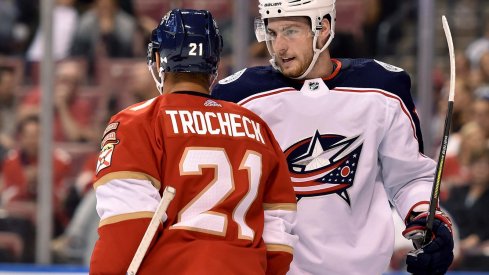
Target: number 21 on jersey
197 214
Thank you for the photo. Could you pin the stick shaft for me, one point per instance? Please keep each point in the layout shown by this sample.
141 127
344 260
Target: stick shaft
168 195
435 192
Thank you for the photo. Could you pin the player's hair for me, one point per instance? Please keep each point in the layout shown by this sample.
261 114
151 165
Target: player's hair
25 121
6 70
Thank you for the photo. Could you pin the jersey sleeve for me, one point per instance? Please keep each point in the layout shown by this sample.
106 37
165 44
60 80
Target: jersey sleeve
280 211
400 84
408 174
127 191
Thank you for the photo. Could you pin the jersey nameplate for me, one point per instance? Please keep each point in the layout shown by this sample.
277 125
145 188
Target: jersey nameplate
214 123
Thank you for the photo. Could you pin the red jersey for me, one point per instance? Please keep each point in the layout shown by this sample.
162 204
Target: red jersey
234 202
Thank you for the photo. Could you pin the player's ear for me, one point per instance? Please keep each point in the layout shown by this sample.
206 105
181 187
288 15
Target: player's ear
157 59
325 32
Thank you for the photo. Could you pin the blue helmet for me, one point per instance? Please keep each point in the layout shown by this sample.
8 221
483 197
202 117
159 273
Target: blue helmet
187 41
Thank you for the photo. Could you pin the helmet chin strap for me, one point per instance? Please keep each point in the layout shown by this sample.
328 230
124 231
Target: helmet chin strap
214 78
317 52
161 73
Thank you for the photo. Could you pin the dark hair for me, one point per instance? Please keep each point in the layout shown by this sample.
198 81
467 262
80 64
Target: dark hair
6 70
28 119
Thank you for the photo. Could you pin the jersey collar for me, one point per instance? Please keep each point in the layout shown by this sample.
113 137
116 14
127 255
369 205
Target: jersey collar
193 93
336 70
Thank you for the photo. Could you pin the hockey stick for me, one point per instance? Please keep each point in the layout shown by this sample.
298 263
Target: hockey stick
435 192
168 195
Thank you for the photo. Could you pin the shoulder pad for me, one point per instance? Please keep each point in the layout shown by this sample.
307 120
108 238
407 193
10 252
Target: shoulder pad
250 81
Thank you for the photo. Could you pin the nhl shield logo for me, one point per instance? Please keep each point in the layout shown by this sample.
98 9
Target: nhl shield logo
313 85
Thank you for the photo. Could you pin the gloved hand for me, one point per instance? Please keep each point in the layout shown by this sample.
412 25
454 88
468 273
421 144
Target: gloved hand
436 256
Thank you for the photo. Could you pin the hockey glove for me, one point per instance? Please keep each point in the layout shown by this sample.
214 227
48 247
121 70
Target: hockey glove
436 256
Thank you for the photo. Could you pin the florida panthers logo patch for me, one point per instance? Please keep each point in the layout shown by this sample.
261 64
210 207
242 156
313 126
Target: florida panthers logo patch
324 164
109 141
105 157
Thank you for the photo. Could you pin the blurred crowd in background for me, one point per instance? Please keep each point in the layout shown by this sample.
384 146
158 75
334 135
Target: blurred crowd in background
100 52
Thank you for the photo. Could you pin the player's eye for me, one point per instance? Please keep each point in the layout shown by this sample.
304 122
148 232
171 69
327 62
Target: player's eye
271 34
290 32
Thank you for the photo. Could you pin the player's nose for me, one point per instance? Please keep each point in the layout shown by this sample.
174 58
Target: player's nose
280 45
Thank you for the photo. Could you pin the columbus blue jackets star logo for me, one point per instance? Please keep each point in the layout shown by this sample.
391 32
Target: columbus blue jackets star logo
324 164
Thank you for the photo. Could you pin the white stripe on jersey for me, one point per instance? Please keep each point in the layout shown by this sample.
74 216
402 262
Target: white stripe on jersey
122 196
275 222
264 94
385 93
340 89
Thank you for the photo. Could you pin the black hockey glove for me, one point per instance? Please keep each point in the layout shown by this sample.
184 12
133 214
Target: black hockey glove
436 256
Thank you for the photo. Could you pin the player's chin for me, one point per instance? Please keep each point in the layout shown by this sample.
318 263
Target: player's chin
290 71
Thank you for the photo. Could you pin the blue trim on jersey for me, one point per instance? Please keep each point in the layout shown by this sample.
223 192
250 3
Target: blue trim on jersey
355 73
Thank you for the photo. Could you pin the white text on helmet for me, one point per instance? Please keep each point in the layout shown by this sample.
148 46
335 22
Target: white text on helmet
273 4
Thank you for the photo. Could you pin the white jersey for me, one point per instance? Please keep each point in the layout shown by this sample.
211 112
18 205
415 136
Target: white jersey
351 148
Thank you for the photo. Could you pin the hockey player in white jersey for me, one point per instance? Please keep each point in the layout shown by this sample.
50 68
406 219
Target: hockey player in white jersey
352 139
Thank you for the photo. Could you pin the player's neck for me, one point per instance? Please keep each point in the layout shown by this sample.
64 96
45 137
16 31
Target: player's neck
187 86
323 67
185 82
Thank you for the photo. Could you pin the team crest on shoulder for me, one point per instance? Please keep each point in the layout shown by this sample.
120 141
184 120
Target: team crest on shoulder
109 141
389 67
110 127
324 164
232 77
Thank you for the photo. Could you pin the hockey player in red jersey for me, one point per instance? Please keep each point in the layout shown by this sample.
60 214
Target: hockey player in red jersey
351 136
234 203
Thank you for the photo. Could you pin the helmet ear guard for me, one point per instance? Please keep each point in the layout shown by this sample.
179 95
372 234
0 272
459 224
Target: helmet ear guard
151 53
260 30
153 56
